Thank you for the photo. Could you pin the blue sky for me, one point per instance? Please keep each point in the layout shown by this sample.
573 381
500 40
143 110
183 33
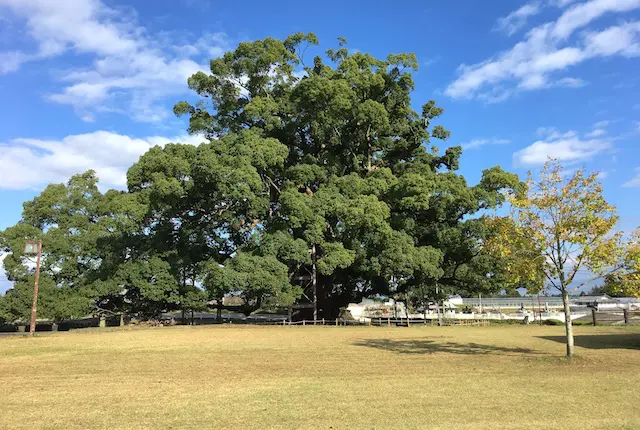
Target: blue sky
90 84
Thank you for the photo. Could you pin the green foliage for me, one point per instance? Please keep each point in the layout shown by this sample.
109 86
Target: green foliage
256 278
67 219
326 157
560 225
54 303
146 286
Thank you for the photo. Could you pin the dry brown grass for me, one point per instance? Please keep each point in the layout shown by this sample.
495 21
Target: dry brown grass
321 378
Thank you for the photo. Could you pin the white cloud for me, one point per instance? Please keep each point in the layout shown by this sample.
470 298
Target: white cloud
617 40
635 181
570 82
130 70
551 133
596 133
11 61
601 124
33 163
517 19
477 143
549 49
566 147
431 61
561 3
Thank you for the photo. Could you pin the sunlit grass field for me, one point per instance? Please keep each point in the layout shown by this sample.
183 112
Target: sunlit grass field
248 377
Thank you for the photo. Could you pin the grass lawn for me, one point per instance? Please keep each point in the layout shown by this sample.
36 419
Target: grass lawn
247 377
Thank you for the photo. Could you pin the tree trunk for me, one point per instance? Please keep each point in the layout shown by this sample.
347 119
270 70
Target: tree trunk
567 322
565 299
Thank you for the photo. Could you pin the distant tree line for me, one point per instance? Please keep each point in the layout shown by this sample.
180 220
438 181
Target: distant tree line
322 164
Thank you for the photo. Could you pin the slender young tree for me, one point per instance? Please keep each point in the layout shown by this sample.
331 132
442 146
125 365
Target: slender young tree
561 226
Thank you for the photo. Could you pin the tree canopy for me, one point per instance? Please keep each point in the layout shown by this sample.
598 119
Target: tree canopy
561 225
324 163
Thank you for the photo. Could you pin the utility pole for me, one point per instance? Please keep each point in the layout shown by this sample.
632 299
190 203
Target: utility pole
32 247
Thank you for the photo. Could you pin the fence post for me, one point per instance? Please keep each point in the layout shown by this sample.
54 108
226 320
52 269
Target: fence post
322 321
388 322
625 312
304 322
336 322
380 322
103 322
593 316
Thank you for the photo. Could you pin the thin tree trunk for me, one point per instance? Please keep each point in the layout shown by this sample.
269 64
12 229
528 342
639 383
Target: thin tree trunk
565 300
567 324
314 283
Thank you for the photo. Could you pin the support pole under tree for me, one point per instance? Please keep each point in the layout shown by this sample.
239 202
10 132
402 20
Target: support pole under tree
438 305
314 283
34 306
593 316
625 313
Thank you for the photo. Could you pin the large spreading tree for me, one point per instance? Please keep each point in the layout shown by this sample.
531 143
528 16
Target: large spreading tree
324 164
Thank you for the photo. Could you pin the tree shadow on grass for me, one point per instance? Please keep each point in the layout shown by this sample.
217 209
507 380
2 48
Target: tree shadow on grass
414 346
601 341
